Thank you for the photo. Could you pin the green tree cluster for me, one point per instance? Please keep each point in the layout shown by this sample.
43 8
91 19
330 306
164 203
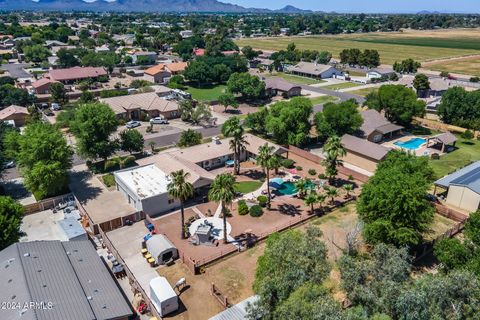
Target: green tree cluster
338 119
11 214
368 58
406 66
461 108
189 138
249 86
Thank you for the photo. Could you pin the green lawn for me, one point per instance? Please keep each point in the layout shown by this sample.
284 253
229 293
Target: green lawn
206 93
353 73
467 152
323 99
297 79
343 85
247 186
363 92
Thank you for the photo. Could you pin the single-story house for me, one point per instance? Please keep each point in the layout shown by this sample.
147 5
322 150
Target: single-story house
150 56
375 127
63 280
362 153
186 33
379 73
42 86
161 73
71 75
276 85
54 43
438 86
314 70
462 187
261 63
14 113
152 103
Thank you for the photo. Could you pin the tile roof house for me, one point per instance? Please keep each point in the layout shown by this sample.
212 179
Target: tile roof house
375 127
65 280
164 71
462 187
14 113
314 70
276 85
71 75
42 86
152 103
363 153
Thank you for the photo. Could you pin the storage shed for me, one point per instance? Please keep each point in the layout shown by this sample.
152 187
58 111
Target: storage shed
163 296
161 249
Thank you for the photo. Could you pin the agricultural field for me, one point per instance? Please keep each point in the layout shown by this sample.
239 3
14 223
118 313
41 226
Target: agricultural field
467 65
395 46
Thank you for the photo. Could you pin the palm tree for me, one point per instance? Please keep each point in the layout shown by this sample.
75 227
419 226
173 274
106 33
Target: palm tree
332 193
276 163
264 159
310 200
333 150
348 188
302 187
233 128
222 190
179 188
320 200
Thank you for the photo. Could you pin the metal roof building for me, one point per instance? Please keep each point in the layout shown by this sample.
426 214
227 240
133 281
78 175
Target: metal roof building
50 280
236 312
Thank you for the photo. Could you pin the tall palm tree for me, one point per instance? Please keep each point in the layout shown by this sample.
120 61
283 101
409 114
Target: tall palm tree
332 193
179 188
333 150
222 190
233 128
348 188
302 187
264 159
321 200
311 200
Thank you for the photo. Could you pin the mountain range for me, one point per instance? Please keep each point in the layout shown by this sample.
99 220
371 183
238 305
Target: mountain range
136 6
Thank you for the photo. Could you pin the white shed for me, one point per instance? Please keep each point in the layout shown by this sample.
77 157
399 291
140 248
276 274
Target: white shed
161 249
163 296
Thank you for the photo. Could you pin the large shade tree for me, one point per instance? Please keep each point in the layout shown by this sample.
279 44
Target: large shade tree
338 119
11 214
179 188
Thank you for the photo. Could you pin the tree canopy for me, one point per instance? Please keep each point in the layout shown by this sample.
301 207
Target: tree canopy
249 86
338 119
131 140
460 107
393 203
406 66
11 214
399 103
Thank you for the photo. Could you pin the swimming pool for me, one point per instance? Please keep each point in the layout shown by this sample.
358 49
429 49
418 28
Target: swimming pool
411 144
288 188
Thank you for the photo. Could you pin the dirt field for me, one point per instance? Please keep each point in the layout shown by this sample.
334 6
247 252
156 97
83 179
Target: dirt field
467 65
395 46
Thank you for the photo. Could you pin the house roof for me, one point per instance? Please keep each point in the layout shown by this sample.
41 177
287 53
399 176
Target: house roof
145 101
144 53
364 147
468 176
69 274
439 84
11 110
310 68
236 312
41 82
76 73
199 52
374 121
278 83
382 70
446 138
172 67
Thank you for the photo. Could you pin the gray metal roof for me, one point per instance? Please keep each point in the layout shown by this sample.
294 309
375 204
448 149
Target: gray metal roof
72 229
63 273
236 312
468 176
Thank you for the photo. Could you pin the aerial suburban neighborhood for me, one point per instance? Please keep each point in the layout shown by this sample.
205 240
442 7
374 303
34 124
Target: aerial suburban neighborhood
210 160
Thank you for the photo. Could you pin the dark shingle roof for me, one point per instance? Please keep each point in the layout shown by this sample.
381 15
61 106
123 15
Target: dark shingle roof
373 120
468 176
364 147
63 273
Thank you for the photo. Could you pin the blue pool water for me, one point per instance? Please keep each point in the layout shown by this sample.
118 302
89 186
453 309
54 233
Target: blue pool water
288 188
411 144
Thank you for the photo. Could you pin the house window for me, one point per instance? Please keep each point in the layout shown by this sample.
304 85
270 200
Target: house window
170 201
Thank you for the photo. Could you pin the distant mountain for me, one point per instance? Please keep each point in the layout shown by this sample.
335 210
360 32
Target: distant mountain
136 5
428 12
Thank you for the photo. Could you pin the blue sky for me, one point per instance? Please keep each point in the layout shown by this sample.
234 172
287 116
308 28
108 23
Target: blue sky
461 6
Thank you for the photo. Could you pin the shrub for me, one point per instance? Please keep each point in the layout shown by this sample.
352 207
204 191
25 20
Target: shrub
256 211
113 93
299 168
350 178
467 135
110 165
312 172
288 163
109 180
262 200
242 208
102 79
322 176
475 79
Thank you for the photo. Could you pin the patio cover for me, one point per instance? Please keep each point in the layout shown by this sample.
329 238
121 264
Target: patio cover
446 138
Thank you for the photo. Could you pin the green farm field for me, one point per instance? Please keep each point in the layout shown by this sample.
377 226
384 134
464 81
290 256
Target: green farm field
395 46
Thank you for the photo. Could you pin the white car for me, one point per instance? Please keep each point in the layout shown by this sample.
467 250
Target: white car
158 120
133 124
9 165
55 107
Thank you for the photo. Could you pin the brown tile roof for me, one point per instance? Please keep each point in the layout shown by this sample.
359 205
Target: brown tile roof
364 147
172 67
281 84
374 121
41 82
446 138
145 101
11 110
76 73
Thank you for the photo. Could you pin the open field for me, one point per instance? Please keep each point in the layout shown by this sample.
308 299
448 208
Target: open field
467 152
467 65
343 85
297 79
394 46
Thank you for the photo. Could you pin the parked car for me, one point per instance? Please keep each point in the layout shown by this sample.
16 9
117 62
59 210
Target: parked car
55 107
158 120
44 106
48 113
8 165
133 124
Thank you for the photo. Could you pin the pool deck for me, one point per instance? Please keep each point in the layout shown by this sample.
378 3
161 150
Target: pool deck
421 151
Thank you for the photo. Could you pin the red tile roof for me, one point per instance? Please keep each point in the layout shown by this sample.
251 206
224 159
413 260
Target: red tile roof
76 73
